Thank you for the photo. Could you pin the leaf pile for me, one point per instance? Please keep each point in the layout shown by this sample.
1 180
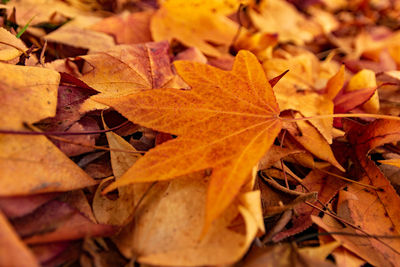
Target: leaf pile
199 133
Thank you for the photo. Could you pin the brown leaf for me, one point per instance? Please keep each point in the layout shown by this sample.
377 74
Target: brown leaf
316 181
360 246
14 207
57 221
127 28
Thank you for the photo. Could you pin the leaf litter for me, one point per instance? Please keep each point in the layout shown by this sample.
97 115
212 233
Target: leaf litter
199 133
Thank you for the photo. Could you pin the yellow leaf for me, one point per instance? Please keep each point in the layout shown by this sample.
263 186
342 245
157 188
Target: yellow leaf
13 252
10 46
196 23
393 162
169 222
32 164
362 80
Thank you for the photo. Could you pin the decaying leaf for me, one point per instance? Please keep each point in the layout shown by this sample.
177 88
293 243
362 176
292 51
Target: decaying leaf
228 134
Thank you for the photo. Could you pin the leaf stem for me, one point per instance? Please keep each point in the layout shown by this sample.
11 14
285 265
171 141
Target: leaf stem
61 133
94 146
344 115
351 225
350 180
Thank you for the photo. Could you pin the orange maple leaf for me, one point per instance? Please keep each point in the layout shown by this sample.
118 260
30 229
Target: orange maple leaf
227 122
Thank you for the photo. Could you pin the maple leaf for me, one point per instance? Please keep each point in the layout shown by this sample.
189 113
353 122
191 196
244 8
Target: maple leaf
127 69
227 121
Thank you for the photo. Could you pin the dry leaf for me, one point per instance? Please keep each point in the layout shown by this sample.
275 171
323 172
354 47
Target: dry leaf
316 181
127 28
128 69
77 33
363 80
169 223
196 23
13 252
285 255
58 221
361 246
116 212
309 137
34 159
10 46
278 16
227 121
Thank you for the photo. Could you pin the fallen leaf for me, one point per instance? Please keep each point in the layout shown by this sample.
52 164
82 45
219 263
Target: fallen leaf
29 95
363 208
57 221
117 212
335 84
169 223
362 80
41 10
55 254
278 16
365 138
309 137
13 251
393 162
19 206
284 255
345 258
127 28
77 33
196 23
10 46
128 69
296 90
229 133
321 252
361 246
316 181
348 101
